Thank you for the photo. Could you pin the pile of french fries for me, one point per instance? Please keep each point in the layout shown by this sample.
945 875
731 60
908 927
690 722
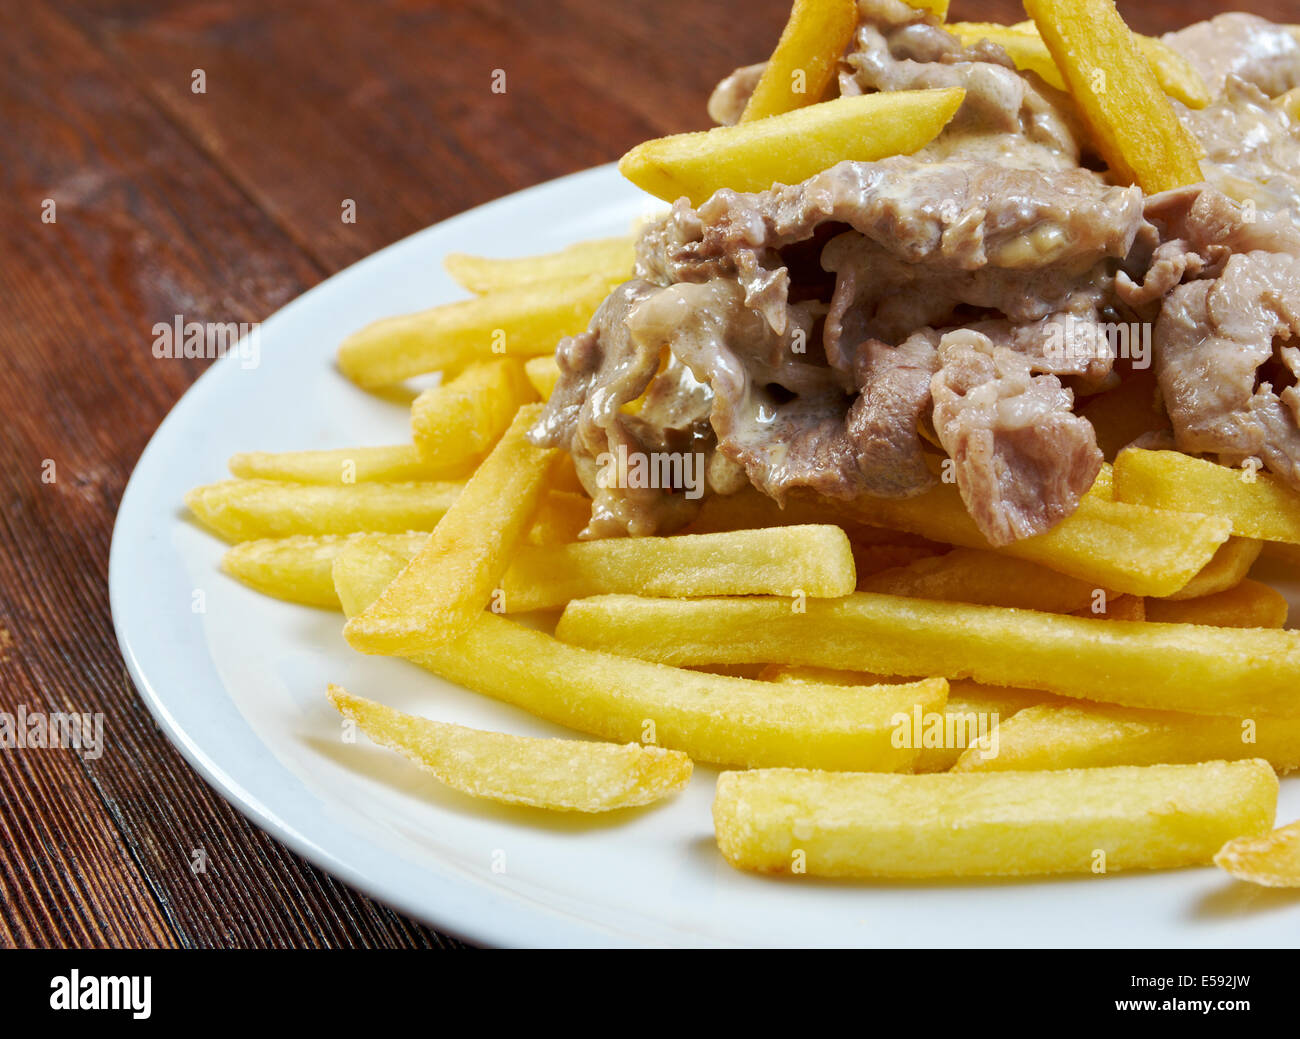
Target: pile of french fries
888 695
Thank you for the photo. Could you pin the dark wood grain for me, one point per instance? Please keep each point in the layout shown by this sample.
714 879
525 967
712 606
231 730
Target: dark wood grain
223 206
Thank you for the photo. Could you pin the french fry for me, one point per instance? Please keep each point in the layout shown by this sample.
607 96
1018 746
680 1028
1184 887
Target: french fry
1134 126
1228 568
803 65
559 775
714 718
987 578
1272 860
1290 103
749 509
1103 488
456 424
400 463
971 708
519 322
813 561
1258 504
560 519
1203 670
995 824
879 557
1026 49
1116 608
792 147
241 510
607 257
1250 604
1175 74
1065 735
938 8
1281 553
543 373
1125 548
1121 415
451 580
300 569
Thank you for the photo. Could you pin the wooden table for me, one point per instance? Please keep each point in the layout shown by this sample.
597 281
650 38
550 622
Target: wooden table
222 205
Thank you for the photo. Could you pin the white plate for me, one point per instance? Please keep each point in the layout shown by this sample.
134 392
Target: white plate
239 688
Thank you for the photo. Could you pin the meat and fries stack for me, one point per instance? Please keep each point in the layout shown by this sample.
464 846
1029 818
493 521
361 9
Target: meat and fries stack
954 675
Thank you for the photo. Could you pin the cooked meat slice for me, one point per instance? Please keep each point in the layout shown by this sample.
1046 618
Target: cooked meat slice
894 385
1007 113
927 221
1241 45
1252 148
1022 459
1190 233
779 417
1008 116
729 98
1227 363
601 371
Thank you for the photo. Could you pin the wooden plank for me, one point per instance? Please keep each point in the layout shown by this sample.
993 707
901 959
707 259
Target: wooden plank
390 104
96 853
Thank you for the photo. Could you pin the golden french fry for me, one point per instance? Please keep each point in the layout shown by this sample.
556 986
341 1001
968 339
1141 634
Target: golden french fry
749 509
451 580
1290 103
521 322
1281 553
1065 735
300 569
880 557
1134 126
607 257
792 147
987 578
1025 48
241 510
1176 75
456 424
812 561
1121 415
1272 860
560 775
995 824
543 373
713 718
1233 671
560 519
803 65
1103 488
1250 604
1228 568
1258 504
1121 547
971 712
400 463
1117 608
938 8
